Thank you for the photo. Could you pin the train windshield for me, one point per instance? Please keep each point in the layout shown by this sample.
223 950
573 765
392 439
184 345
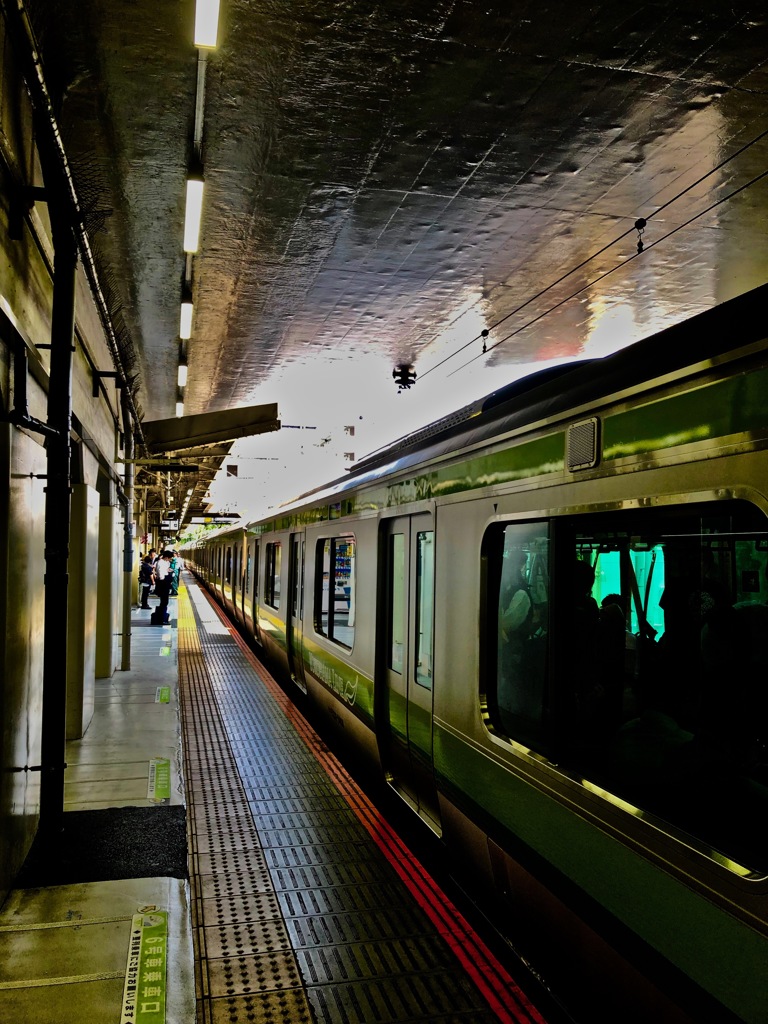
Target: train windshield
632 649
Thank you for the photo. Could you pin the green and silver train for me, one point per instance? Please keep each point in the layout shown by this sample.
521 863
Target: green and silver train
545 621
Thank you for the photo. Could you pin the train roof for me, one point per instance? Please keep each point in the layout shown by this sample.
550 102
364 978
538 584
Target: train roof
715 332
725 328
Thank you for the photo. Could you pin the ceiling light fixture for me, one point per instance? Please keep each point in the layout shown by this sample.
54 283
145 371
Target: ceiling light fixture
183 372
206 23
179 409
185 323
404 376
193 214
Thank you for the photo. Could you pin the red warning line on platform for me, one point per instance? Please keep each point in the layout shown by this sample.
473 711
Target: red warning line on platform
502 993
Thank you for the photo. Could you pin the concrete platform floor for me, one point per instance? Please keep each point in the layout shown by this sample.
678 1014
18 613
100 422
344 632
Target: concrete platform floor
64 949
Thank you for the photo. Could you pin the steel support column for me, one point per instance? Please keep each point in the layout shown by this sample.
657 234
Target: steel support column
125 662
57 525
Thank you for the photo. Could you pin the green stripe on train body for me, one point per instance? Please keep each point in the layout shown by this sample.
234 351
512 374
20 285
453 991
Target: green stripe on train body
347 683
721 954
716 410
273 627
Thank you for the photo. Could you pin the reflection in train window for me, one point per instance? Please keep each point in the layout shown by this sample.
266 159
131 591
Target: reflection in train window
519 565
272 575
335 590
656 689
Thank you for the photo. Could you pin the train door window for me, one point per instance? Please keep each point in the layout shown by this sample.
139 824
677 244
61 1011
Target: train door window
517 560
335 589
295 576
396 608
272 575
425 584
228 565
255 574
247 582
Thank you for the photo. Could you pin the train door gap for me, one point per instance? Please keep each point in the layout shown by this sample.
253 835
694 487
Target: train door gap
406 671
295 609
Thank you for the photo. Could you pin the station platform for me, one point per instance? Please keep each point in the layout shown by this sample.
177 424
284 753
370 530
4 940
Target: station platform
301 903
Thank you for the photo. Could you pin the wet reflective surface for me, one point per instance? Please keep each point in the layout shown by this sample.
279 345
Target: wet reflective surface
385 180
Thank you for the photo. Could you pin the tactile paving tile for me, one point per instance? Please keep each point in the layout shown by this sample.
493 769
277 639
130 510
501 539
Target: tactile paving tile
239 909
306 911
245 975
245 938
230 860
223 884
289 1005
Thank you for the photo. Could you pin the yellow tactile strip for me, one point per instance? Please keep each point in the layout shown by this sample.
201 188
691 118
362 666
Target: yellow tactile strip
245 968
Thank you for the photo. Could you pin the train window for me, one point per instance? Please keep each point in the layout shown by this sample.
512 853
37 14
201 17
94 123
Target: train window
255 575
272 575
228 566
296 575
655 690
247 583
397 603
518 562
335 590
425 583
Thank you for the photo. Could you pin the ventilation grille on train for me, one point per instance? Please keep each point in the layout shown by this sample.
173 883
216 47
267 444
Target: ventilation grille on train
581 445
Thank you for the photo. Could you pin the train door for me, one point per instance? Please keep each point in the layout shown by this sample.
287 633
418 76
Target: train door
255 596
406 666
245 560
295 608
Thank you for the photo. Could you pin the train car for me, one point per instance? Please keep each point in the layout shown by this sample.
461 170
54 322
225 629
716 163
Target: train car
544 620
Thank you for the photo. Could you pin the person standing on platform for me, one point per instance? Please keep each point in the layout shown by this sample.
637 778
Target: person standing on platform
163 581
174 573
176 566
146 579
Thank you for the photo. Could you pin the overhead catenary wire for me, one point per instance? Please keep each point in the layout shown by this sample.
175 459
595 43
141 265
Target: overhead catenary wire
619 266
553 284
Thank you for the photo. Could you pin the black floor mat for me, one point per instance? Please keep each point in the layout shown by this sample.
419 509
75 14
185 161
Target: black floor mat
98 846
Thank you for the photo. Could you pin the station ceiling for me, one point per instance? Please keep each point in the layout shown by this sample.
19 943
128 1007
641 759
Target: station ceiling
386 180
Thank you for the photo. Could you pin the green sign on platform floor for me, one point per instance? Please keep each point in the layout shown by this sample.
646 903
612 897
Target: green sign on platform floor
162 695
159 779
144 994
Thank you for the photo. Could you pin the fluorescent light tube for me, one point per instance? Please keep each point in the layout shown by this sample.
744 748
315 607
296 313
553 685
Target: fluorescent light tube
193 215
206 23
185 324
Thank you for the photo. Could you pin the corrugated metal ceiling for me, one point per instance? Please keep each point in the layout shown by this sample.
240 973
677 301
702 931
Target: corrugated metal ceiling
385 180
